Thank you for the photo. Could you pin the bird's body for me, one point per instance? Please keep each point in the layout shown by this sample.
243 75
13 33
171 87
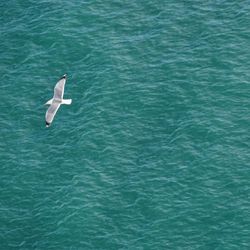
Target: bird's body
56 101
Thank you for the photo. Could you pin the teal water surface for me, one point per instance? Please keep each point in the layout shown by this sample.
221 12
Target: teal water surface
153 152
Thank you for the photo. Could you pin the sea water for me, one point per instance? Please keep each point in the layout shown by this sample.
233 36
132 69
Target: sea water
153 152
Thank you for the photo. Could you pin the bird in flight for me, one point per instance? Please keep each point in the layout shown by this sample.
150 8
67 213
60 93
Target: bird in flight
56 101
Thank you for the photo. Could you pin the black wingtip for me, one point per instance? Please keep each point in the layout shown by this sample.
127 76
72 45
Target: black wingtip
64 76
47 124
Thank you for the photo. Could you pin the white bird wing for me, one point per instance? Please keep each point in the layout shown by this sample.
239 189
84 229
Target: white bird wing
59 88
51 112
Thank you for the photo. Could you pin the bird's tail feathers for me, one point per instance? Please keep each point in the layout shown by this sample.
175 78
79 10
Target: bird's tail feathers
67 101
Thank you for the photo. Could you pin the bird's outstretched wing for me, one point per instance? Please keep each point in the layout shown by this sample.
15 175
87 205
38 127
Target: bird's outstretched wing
59 88
51 112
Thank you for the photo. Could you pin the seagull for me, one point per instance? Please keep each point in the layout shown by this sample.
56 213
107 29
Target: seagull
56 101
